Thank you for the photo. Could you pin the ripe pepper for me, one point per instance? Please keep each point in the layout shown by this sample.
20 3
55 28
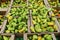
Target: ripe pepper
41 4
20 31
10 17
55 27
38 19
34 17
32 29
39 38
58 15
52 14
50 23
33 22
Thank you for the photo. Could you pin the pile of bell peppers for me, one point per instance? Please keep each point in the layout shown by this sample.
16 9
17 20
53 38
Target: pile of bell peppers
40 37
22 3
17 21
5 4
54 3
56 12
4 37
40 20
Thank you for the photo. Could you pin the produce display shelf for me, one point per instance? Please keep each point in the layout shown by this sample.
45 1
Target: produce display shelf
30 20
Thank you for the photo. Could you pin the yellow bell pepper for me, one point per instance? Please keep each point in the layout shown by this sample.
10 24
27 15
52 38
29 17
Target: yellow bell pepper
8 15
10 18
34 17
52 14
41 4
39 38
32 29
22 30
55 27
50 23
38 19
33 22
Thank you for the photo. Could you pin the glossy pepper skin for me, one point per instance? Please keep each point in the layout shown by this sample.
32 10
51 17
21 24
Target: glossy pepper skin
32 29
3 37
40 37
53 3
20 3
5 4
17 20
40 19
